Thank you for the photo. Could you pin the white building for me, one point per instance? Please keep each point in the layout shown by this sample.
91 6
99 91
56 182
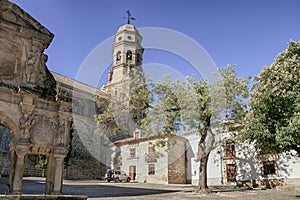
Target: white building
145 161
231 162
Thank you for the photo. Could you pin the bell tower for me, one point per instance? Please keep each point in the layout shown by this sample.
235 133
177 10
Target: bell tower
127 58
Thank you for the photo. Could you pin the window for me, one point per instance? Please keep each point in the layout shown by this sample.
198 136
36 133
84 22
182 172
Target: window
151 150
129 55
150 157
269 168
137 134
119 55
230 148
132 152
151 169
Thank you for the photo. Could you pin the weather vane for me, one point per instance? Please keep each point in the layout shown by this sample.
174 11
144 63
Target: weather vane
129 17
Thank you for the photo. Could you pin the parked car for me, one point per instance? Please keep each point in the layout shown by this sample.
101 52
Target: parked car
117 176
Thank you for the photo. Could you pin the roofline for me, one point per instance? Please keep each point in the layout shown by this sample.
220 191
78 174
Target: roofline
77 84
144 139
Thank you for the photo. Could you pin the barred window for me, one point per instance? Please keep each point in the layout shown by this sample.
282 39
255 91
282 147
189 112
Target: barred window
151 169
269 168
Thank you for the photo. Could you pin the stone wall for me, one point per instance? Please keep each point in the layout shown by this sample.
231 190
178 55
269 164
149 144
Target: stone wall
86 157
82 164
177 161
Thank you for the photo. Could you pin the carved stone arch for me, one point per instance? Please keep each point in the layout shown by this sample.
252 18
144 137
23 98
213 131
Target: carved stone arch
10 124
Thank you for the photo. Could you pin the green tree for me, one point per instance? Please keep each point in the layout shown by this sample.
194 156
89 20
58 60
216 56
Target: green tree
274 120
171 106
200 105
125 111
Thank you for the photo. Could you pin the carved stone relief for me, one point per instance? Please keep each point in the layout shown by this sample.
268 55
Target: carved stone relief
42 133
25 122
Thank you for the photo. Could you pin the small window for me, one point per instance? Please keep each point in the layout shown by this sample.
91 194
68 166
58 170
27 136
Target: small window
151 150
132 153
151 169
137 134
119 55
269 168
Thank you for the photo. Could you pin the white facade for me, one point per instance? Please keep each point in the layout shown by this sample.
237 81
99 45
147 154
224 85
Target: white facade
214 163
246 163
146 162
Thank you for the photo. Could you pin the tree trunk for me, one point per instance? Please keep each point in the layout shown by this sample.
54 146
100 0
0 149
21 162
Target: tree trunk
202 185
205 145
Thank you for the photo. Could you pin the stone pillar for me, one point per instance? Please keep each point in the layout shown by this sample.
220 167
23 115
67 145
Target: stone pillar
50 174
58 174
13 161
21 151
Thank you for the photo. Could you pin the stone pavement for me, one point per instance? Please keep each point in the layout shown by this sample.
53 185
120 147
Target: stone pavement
98 190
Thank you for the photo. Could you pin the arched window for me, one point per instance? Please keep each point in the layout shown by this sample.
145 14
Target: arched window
119 55
129 55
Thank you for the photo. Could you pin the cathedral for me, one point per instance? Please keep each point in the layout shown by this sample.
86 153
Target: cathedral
45 116
47 120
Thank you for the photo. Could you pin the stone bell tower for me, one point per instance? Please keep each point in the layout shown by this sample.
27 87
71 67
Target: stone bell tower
127 58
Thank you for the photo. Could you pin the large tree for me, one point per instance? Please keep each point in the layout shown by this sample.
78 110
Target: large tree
172 106
200 105
274 120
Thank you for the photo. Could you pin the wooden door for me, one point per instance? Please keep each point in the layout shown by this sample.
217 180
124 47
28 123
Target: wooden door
231 172
132 172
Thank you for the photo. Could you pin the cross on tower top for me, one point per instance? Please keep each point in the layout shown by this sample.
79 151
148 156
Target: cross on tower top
129 17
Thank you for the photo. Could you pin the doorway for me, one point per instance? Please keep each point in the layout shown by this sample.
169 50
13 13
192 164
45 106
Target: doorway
132 172
231 172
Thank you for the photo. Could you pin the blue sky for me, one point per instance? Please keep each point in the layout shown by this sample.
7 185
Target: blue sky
247 33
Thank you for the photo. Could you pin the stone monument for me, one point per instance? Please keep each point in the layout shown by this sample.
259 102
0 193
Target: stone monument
37 120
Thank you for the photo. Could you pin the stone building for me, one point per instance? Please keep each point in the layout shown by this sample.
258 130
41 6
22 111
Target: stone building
145 161
32 95
34 121
86 158
46 114
127 60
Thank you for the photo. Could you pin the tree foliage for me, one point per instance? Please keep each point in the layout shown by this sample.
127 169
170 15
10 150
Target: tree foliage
198 106
274 120
170 106
125 111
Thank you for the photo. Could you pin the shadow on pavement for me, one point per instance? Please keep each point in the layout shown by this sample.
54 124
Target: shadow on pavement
92 190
